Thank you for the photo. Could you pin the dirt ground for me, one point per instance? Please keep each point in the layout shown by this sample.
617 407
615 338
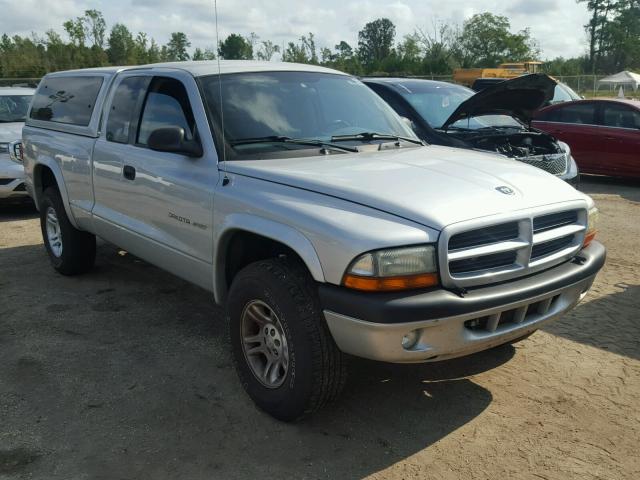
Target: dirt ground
125 373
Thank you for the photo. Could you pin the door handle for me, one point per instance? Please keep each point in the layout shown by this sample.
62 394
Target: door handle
129 172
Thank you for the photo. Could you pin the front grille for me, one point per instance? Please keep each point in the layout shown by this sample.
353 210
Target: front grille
554 220
481 236
6 181
504 250
555 163
485 262
547 248
514 316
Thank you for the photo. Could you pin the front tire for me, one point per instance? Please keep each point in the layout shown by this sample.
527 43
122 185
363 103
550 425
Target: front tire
285 356
71 251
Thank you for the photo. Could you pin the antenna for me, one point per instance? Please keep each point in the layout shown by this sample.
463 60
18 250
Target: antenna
225 179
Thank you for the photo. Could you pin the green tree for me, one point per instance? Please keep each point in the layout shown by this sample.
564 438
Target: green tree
440 48
154 55
121 49
623 47
295 53
76 32
375 42
177 47
235 47
206 54
486 41
409 54
267 50
303 52
598 28
94 27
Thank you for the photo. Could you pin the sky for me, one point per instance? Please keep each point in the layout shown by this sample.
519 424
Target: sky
558 25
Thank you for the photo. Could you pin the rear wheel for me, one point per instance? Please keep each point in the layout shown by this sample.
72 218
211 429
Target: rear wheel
71 251
285 356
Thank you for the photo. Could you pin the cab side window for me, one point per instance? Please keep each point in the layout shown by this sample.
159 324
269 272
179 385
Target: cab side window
126 98
166 105
66 99
578 113
620 116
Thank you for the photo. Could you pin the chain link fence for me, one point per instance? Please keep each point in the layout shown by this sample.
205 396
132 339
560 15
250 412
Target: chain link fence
587 86
584 85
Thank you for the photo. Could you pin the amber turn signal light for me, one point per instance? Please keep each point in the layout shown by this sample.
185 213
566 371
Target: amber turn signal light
589 238
389 284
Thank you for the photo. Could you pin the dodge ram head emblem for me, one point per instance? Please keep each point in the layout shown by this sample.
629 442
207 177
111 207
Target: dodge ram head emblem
506 190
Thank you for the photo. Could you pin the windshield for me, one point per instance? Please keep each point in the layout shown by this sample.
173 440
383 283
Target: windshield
564 93
436 102
13 108
295 105
487 121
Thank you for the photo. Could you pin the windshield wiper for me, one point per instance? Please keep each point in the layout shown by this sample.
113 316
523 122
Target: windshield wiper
374 136
297 141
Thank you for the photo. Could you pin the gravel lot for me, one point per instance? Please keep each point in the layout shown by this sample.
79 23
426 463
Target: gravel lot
125 373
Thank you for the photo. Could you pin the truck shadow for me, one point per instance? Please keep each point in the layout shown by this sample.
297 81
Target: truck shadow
626 188
126 373
11 211
609 322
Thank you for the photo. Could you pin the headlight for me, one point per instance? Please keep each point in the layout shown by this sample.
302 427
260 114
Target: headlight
564 147
393 269
592 221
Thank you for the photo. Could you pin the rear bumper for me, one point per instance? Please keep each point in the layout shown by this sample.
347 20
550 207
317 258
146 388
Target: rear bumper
449 325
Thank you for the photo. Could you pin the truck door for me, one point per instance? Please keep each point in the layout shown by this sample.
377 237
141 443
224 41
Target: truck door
158 205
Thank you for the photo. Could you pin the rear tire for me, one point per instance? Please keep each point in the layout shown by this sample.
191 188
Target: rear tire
71 251
274 315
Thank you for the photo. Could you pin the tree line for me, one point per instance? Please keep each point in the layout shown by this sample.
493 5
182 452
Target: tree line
483 40
614 35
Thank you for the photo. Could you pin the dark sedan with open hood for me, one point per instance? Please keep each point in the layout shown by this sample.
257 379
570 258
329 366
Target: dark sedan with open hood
496 119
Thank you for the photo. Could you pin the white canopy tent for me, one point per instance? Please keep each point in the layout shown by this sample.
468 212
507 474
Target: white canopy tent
622 79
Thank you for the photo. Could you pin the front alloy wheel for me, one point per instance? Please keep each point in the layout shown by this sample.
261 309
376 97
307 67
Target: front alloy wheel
285 356
264 344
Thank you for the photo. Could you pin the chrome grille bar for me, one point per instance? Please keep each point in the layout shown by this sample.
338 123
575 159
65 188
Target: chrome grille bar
488 249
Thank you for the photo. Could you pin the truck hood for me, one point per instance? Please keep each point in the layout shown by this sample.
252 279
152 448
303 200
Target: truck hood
10 132
433 186
519 97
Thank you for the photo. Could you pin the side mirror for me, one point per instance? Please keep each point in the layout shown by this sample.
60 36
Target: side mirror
171 139
16 152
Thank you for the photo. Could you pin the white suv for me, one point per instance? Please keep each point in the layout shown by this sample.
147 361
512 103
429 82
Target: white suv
14 103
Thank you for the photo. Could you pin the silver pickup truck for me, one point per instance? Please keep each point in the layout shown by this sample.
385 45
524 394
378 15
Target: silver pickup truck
308 208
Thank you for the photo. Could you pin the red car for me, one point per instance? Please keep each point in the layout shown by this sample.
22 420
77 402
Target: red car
604 134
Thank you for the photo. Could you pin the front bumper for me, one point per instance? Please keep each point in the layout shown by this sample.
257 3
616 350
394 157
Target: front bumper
11 179
449 324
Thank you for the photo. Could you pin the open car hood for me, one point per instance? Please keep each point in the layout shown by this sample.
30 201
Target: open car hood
519 97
